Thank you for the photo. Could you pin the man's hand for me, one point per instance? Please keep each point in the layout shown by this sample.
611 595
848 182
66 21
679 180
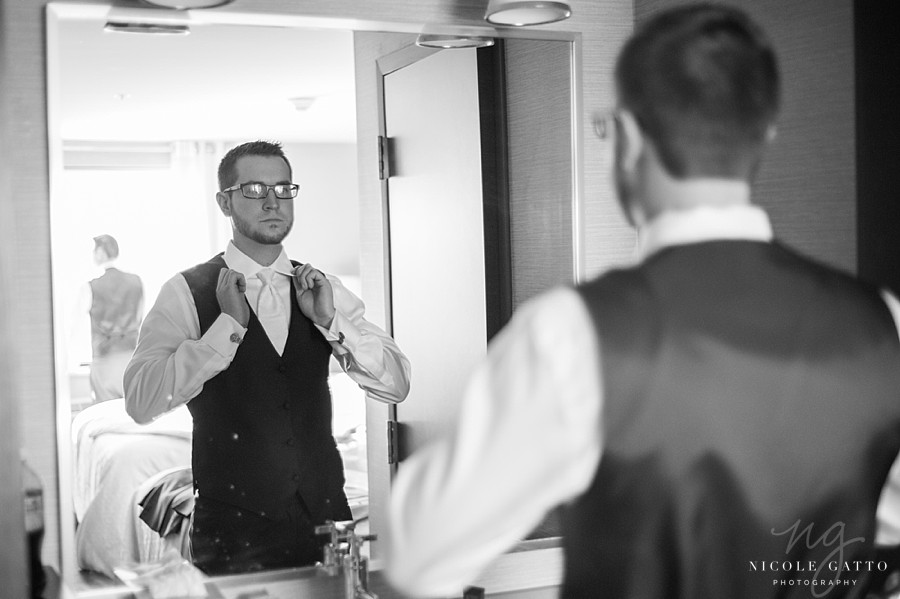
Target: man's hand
230 292
314 295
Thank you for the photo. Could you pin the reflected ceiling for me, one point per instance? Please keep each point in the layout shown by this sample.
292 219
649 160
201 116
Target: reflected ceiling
220 82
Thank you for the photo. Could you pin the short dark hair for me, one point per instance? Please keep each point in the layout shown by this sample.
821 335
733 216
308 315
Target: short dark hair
702 81
108 244
228 169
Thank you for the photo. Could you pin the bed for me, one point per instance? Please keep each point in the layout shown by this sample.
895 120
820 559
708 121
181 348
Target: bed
113 457
117 463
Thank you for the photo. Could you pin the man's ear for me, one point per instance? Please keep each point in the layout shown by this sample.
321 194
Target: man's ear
224 202
631 139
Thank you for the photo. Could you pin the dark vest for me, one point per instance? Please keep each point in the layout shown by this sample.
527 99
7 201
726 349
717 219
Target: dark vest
115 312
262 427
747 391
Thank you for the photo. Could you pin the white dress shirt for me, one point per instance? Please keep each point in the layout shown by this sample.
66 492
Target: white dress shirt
527 438
172 360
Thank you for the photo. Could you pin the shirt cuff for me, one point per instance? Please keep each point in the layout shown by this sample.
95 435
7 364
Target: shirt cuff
224 335
342 333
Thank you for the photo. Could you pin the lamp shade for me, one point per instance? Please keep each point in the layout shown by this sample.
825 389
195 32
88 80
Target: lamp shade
519 13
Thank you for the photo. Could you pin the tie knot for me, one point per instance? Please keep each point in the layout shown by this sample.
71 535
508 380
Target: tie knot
265 275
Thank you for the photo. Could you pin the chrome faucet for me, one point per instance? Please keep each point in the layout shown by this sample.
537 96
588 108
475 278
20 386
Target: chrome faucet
342 553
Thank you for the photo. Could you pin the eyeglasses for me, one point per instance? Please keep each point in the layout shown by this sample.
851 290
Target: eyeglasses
605 124
255 190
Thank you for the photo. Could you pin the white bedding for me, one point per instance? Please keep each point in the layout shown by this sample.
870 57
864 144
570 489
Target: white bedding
113 456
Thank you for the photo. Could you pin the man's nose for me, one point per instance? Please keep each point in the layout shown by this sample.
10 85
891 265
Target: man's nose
270 201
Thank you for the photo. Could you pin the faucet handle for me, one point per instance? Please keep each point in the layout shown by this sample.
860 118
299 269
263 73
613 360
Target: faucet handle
332 552
356 568
356 541
337 531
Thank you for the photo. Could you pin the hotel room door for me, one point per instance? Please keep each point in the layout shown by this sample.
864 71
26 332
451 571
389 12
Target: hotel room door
445 295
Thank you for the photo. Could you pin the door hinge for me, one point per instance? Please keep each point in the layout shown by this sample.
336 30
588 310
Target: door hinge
393 441
384 157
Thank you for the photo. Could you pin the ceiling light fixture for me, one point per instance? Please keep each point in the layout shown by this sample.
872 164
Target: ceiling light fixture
520 13
437 40
187 4
302 103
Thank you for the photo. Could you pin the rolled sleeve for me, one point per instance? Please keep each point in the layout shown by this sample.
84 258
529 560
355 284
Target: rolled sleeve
365 352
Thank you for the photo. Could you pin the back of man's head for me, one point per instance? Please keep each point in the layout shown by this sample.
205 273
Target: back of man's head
108 244
702 82
227 173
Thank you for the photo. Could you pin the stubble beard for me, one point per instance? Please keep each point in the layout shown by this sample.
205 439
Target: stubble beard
263 236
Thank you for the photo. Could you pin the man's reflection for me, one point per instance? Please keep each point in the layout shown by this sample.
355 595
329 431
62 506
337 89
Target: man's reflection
116 306
245 340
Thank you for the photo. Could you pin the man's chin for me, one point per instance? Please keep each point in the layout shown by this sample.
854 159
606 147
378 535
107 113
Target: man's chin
266 237
271 239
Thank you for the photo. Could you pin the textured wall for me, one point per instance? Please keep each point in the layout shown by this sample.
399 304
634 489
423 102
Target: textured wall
27 247
539 106
12 523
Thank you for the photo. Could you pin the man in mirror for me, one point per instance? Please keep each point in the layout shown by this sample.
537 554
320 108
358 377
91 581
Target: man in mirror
724 405
116 300
245 340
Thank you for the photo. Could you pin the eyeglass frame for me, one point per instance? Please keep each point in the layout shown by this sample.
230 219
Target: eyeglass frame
295 189
605 124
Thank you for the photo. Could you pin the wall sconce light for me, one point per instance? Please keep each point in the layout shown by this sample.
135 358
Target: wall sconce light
437 40
519 13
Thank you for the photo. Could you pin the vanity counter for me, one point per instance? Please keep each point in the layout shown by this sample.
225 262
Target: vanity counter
296 583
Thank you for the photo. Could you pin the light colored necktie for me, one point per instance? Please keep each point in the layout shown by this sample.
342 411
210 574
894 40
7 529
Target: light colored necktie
270 310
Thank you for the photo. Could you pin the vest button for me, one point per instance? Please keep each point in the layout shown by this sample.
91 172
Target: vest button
296 477
289 442
282 368
286 405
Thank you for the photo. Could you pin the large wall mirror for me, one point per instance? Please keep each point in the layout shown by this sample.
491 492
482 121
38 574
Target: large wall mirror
138 121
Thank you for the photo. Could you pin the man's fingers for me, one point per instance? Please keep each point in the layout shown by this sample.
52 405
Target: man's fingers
229 278
306 276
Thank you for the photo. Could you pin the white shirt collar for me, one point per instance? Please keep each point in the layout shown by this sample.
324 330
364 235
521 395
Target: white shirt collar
247 266
706 223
